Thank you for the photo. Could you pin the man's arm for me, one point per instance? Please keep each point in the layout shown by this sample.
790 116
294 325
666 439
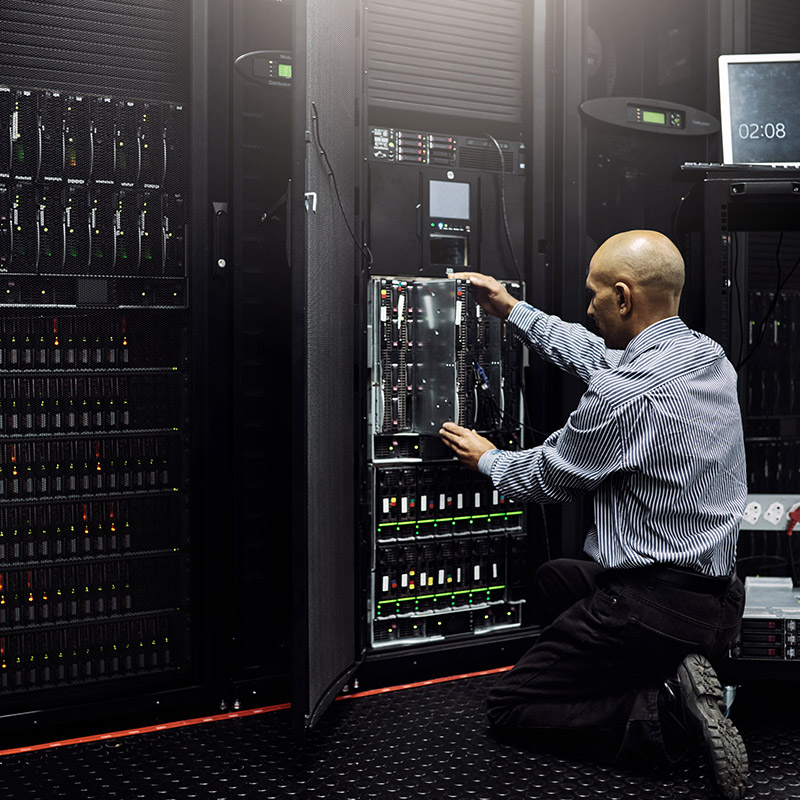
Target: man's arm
572 461
570 346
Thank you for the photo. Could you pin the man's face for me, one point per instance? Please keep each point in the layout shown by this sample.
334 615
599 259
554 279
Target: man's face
604 307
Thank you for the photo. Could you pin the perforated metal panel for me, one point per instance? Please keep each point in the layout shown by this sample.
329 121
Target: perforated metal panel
133 49
774 26
324 349
457 57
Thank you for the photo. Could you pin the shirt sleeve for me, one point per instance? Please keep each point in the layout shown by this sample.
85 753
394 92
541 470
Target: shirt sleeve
568 345
486 461
572 461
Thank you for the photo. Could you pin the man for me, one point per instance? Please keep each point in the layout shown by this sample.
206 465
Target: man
621 665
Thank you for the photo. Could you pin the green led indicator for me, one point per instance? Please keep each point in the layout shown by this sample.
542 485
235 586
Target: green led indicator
284 70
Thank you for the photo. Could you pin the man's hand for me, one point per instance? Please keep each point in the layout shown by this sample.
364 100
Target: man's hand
491 295
468 445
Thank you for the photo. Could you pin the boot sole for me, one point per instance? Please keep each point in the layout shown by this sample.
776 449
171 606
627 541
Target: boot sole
704 704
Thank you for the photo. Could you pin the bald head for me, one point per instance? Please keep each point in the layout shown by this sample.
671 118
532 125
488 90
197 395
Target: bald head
647 259
635 279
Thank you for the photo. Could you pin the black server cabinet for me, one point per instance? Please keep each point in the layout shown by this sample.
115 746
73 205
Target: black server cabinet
367 76
741 235
447 148
746 226
260 353
103 368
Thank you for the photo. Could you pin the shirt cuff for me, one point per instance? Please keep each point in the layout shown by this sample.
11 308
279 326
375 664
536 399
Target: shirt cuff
486 461
522 315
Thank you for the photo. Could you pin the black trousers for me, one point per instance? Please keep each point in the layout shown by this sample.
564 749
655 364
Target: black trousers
591 681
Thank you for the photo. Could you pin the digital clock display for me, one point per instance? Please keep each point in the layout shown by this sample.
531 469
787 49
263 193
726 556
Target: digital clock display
764 101
762 130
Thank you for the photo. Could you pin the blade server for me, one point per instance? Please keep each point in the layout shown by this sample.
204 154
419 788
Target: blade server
448 549
94 391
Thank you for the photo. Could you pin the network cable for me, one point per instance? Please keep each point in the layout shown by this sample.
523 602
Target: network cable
503 204
363 248
781 282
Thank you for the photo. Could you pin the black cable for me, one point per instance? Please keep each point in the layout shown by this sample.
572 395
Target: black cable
524 425
497 423
365 251
543 434
546 532
763 558
773 303
522 280
501 426
505 416
503 204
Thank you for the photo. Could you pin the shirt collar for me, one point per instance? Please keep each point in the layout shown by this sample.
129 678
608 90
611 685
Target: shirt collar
652 336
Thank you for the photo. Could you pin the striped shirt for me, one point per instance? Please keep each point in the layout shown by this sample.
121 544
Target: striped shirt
657 437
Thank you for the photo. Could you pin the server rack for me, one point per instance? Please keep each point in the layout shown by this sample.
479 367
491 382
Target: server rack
746 226
361 216
446 185
97 361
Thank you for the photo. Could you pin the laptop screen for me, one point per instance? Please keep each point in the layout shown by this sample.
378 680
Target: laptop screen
760 109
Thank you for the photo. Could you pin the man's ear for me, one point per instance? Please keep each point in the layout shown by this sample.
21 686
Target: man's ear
624 298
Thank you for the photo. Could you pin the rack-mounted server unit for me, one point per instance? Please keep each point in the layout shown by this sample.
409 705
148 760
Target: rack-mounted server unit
447 548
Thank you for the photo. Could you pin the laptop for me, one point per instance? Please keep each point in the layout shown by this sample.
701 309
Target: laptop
760 109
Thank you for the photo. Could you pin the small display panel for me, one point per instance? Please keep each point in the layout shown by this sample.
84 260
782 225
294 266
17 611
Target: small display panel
654 117
449 200
760 109
673 119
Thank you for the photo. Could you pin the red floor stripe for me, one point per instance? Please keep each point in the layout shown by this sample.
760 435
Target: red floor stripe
165 726
250 712
369 692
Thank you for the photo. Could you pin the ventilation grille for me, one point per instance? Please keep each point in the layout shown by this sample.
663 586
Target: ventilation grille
136 50
774 26
462 58
487 160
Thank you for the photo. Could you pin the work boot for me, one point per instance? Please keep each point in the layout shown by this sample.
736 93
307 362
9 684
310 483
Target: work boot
701 705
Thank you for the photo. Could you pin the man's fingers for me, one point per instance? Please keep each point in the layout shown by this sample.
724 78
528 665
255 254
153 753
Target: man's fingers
464 276
452 435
